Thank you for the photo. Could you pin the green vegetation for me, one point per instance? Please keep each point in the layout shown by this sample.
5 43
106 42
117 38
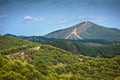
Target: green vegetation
11 45
93 50
17 70
45 62
87 47
101 32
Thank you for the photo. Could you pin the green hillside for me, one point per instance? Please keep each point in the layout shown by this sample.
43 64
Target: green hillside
45 62
10 44
89 49
101 32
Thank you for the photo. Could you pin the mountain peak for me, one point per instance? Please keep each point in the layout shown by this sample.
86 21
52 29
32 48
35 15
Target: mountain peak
83 24
86 22
86 30
78 29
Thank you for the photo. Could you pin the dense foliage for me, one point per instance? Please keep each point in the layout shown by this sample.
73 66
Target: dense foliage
45 62
17 70
63 65
10 44
92 49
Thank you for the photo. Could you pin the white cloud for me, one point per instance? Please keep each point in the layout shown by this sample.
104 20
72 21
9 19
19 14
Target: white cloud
28 17
34 18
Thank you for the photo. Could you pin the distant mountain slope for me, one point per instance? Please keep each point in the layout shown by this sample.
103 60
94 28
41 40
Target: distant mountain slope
92 50
38 39
41 39
86 30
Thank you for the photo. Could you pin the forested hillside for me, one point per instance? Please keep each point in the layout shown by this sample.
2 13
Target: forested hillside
45 62
11 44
89 49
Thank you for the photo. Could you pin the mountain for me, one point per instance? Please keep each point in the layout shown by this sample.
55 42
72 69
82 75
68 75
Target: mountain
86 30
12 35
45 62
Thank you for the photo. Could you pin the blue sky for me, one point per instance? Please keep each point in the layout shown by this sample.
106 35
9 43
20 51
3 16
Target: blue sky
40 17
